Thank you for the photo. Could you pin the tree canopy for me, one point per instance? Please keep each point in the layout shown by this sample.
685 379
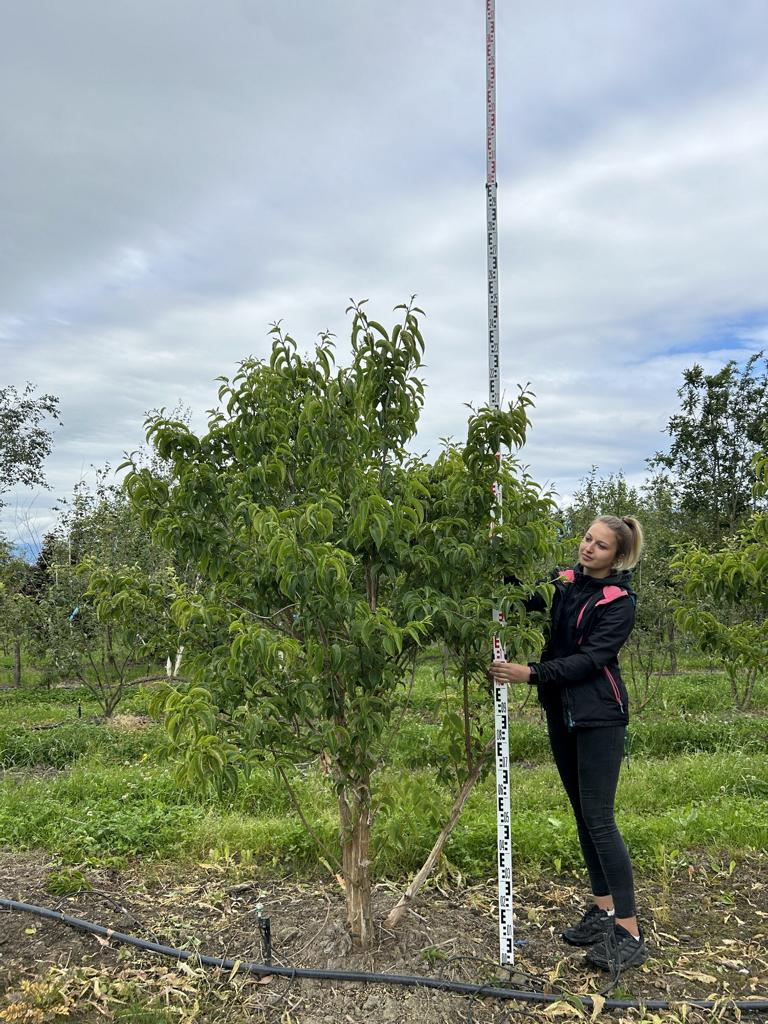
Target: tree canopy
320 543
25 439
715 436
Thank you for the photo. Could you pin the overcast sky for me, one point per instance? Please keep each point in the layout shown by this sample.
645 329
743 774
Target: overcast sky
178 174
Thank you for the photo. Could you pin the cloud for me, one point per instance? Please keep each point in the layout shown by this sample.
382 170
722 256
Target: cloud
178 177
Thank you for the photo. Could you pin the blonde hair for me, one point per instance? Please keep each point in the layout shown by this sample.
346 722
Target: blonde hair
629 538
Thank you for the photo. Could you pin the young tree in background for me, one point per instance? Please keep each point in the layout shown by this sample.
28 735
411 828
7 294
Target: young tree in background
102 594
596 495
725 599
715 436
14 606
25 440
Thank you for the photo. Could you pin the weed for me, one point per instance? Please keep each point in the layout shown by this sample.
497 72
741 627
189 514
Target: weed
66 881
698 779
62 747
433 955
141 1015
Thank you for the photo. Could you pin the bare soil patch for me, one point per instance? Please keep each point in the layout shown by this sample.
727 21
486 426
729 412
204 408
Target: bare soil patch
128 721
708 931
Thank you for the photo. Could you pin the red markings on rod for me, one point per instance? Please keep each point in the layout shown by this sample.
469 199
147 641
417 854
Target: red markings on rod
490 95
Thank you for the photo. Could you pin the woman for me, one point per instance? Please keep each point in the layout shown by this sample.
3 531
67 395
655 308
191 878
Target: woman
581 689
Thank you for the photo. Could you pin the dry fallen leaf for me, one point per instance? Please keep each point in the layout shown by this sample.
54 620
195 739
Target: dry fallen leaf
707 979
598 1002
563 1009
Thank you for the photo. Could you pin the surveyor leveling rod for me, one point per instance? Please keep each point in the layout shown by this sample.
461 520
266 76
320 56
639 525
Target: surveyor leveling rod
503 818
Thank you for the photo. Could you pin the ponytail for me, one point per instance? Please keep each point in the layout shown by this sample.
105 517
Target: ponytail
629 536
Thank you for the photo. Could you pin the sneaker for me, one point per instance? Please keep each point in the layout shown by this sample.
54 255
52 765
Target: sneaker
618 951
591 928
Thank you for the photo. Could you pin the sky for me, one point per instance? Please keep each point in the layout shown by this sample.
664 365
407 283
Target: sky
177 175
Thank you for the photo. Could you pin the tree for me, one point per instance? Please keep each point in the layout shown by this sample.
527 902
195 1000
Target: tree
724 597
14 605
715 436
102 595
463 570
307 521
25 441
596 496
652 645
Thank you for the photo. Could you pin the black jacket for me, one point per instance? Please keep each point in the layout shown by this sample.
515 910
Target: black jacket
579 669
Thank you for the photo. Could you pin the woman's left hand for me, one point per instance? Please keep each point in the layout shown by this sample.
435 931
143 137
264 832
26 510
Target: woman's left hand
509 672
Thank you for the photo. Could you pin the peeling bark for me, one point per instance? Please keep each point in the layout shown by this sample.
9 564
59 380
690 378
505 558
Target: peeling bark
355 813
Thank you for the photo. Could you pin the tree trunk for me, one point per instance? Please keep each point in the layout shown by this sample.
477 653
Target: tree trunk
355 813
745 699
111 697
467 731
397 912
17 663
672 648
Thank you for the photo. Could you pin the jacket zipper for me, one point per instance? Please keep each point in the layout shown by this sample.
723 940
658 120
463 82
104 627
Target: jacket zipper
614 687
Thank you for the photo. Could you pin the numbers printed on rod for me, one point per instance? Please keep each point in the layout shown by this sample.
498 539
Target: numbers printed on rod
503 823
504 831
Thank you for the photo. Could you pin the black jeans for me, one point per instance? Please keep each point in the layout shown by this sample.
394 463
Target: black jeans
588 761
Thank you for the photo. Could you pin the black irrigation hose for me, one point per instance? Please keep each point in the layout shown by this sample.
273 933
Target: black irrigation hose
442 984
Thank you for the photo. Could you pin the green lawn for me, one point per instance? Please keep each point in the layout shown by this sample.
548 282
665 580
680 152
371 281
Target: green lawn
91 793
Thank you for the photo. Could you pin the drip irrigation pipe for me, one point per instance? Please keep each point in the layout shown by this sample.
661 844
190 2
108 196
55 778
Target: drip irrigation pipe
415 980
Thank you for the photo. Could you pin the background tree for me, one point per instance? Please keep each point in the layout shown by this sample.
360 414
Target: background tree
724 597
715 436
595 496
25 440
14 606
102 595
652 646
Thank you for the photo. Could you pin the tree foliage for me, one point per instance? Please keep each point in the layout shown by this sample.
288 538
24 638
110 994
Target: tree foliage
651 646
100 595
601 495
25 440
463 568
715 436
724 598
14 605
316 537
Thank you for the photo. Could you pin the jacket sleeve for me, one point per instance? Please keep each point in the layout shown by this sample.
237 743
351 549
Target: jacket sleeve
600 648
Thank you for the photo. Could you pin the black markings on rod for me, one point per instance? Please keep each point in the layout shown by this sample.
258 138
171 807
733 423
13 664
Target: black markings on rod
493 295
506 943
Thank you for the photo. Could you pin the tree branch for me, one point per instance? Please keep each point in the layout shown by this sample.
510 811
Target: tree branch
331 857
397 912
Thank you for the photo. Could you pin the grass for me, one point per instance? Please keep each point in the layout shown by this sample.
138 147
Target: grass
701 692
101 813
62 747
697 781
